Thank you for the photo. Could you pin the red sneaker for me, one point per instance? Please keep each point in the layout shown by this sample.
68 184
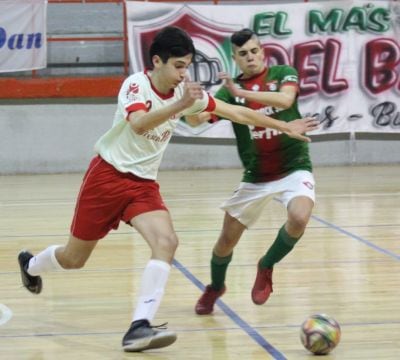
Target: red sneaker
205 305
262 287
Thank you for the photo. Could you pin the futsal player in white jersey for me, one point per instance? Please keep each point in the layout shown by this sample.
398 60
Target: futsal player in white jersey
120 183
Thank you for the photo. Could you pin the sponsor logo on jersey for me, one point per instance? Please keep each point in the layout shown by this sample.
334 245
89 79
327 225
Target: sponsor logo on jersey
240 100
263 133
133 88
269 110
132 92
272 85
151 135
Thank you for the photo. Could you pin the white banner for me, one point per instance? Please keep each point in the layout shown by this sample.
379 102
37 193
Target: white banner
347 53
22 35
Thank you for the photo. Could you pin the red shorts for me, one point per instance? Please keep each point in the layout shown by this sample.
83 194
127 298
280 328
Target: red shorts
108 196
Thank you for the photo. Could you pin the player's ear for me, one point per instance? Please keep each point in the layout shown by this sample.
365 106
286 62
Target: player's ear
156 60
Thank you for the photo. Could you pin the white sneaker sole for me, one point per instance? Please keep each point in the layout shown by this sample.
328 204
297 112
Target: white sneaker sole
159 340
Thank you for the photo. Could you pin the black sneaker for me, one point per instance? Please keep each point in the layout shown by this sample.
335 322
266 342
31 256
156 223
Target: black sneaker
142 336
32 283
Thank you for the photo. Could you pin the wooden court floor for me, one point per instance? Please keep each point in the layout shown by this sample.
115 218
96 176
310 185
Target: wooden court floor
347 265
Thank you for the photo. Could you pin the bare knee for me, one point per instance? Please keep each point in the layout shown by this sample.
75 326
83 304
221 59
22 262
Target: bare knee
297 223
299 213
169 242
75 253
165 246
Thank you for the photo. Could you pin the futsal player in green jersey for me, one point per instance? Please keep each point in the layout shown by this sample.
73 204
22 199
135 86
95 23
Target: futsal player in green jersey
275 166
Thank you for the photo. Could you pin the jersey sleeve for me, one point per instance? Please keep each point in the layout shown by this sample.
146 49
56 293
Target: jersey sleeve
207 103
289 76
224 95
131 96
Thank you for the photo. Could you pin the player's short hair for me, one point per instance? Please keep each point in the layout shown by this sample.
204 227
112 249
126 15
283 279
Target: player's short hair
171 42
240 37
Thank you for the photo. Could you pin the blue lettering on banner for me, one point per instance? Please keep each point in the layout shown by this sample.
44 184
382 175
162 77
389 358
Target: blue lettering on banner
20 41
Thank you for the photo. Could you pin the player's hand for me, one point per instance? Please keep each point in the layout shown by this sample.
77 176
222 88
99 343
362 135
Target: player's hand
192 92
302 126
229 84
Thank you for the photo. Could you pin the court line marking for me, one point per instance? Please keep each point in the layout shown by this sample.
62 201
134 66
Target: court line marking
252 332
5 314
288 266
185 198
4 237
356 237
191 330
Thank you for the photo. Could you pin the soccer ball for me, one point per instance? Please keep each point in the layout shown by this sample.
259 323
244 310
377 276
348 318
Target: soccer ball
320 334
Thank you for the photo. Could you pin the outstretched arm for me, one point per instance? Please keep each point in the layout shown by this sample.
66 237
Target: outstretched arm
284 98
243 115
196 120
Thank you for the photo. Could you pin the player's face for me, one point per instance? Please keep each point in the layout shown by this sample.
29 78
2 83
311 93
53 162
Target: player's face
173 71
249 57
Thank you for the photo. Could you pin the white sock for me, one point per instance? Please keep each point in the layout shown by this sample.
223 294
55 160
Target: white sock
154 280
44 261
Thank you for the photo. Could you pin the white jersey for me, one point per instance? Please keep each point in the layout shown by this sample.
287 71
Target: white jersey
141 154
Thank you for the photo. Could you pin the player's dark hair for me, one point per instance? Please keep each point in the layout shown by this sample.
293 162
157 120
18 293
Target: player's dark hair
171 42
240 37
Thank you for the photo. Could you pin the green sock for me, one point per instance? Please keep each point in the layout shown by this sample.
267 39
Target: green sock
219 265
282 245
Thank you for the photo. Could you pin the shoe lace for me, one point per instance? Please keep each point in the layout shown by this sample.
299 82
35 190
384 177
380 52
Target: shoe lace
161 326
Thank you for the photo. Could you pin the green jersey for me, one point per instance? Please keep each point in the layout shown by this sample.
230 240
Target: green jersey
267 154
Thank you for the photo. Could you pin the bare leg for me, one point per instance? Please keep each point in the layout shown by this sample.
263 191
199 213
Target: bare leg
75 253
232 230
299 212
71 256
156 228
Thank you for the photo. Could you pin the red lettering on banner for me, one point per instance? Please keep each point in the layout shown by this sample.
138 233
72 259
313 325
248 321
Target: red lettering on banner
316 62
275 54
312 77
309 71
382 58
330 83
